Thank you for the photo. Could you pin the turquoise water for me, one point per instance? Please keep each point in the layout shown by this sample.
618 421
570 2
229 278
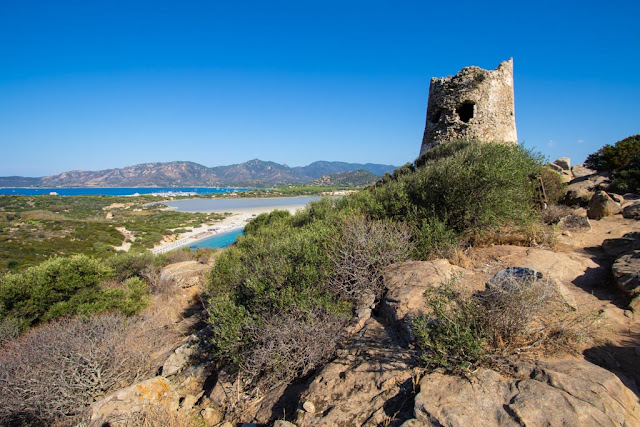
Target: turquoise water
121 191
221 240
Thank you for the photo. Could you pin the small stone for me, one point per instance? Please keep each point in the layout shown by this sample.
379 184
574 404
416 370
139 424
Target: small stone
309 407
566 233
628 313
190 400
283 423
212 416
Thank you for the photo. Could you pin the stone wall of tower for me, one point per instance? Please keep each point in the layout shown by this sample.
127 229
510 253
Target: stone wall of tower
475 104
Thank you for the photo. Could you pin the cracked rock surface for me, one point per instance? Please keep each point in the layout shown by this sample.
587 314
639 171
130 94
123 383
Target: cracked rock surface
562 393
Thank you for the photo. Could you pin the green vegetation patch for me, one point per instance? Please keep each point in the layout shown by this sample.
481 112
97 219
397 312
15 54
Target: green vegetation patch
317 267
66 286
623 160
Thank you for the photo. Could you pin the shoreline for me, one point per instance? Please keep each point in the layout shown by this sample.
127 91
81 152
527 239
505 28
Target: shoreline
237 220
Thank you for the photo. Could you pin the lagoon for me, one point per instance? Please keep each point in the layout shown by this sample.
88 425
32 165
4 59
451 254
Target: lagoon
251 205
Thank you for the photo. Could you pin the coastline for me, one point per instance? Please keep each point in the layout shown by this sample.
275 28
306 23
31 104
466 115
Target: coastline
237 220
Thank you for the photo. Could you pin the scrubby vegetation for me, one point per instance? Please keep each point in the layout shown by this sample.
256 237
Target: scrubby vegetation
33 228
511 316
314 268
67 286
54 372
621 159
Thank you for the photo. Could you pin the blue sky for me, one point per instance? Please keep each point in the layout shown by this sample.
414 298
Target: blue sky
99 84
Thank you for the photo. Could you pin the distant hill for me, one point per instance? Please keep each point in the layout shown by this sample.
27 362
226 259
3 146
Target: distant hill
253 173
358 178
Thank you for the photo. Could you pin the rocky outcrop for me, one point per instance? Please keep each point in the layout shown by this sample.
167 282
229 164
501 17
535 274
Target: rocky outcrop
184 274
632 211
365 385
626 271
580 190
601 205
580 171
406 283
122 404
564 163
570 392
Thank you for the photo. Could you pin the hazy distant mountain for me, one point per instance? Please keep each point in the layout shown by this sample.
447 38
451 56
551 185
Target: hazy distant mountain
188 174
320 168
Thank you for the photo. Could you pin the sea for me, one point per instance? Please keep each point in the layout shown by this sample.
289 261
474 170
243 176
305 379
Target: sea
123 191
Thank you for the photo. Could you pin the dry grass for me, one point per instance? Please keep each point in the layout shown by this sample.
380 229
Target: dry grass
55 371
530 316
150 416
533 234
366 247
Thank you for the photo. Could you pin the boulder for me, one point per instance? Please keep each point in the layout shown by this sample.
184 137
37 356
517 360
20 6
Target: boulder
406 283
626 271
580 171
554 167
574 222
580 190
632 211
122 404
512 277
564 163
601 205
622 245
568 392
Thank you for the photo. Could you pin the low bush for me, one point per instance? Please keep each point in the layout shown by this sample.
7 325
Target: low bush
512 316
451 337
363 250
623 160
67 286
128 265
55 371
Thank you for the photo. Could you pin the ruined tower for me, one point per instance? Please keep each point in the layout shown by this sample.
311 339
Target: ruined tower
475 104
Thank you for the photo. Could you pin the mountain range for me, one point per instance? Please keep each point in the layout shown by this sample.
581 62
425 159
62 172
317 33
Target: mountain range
254 173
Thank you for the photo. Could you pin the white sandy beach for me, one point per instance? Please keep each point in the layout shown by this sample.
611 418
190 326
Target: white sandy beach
238 219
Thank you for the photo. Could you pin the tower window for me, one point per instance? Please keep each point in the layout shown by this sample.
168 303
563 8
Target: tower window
466 111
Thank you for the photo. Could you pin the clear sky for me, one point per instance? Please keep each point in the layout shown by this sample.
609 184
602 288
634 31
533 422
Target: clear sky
100 84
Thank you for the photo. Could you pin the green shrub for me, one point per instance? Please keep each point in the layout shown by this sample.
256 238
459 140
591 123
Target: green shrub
66 286
128 265
623 160
312 268
451 336
554 185
615 158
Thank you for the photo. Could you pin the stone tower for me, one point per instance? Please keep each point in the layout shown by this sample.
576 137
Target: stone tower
475 104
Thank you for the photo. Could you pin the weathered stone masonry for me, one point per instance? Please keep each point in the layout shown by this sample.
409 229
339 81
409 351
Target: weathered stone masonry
475 104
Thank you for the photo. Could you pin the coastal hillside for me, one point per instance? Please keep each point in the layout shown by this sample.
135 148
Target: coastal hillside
187 174
359 178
